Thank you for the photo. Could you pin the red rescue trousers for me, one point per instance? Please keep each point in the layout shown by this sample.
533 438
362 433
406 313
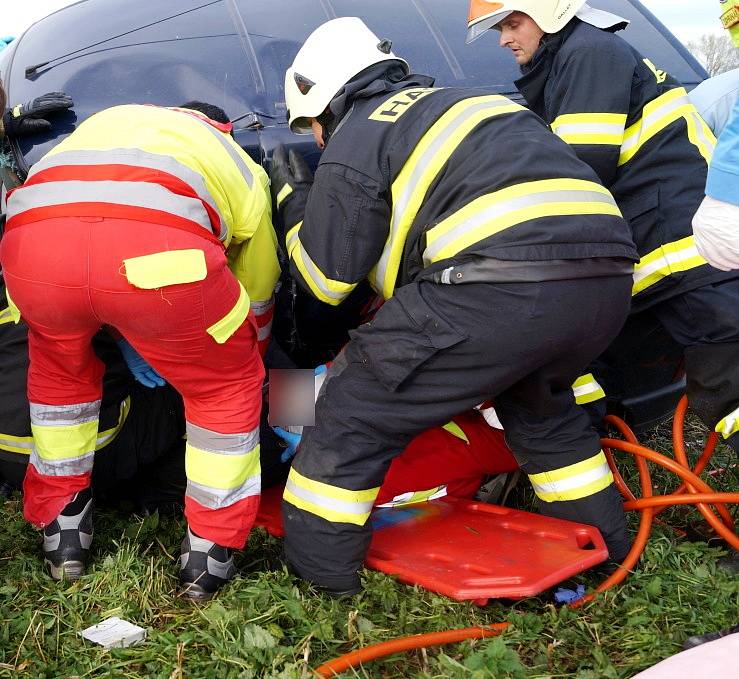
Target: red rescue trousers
67 277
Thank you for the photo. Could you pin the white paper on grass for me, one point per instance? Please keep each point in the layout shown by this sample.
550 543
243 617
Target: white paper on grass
114 633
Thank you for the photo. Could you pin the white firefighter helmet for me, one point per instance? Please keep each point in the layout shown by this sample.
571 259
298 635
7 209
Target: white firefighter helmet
330 57
550 15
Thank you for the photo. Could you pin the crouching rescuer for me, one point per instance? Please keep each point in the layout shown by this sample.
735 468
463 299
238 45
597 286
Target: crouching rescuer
125 225
506 267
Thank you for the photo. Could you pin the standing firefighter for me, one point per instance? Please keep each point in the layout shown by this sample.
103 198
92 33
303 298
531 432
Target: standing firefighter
505 265
124 224
635 126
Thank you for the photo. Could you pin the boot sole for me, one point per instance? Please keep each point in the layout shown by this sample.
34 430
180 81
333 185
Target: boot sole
68 570
195 593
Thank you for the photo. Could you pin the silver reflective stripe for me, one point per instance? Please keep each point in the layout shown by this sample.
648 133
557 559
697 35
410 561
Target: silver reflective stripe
262 307
69 467
401 204
223 444
136 158
64 416
572 482
357 508
215 498
264 332
134 194
590 128
643 271
499 210
14 443
700 131
240 163
653 117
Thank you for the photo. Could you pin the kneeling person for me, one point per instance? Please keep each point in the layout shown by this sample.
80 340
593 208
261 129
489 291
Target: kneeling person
506 267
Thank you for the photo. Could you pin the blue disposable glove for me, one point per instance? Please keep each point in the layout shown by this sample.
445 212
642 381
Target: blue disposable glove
292 440
140 369
319 370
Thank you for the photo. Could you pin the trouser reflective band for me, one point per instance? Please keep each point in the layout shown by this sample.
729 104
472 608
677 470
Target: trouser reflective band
729 426
414 497
221 468
574 481
587 390
332 503
64 438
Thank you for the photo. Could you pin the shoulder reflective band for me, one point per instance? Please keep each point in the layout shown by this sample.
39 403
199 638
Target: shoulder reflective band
591 128
587 390
574 481
327 290
334 504
415 497
24 444
667 259
221 468
729 426
419 172
494 212
656 116
232 321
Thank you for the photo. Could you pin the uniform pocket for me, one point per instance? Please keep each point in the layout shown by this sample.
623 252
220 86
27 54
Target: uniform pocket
160 269
405 333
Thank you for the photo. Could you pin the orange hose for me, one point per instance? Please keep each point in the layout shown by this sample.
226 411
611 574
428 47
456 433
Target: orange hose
374 651
684 473
674 499
678 442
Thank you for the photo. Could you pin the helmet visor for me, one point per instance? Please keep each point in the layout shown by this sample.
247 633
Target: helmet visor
476 29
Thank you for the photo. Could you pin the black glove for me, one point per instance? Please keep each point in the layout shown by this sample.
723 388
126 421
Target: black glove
290 181
30 118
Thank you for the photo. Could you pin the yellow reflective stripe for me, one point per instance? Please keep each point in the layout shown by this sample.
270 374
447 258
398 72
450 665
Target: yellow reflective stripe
454 429
701 135
494 212
415 497
590 128
656 116
216 470
332 503
729 425
327 290
172 267
587 389
421 169
283 193
574 481
15 314
6 316
667 259
231 322
64 442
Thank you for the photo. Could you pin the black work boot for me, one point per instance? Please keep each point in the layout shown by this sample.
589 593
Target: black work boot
204 567
67 539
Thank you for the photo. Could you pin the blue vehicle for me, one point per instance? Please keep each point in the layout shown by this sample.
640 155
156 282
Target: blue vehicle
234 53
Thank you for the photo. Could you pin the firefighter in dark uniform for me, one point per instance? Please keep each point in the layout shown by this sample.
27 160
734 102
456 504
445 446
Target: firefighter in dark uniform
505 273
635 126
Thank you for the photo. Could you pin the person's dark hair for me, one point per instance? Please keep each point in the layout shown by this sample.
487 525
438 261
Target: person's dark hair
3 99
211 110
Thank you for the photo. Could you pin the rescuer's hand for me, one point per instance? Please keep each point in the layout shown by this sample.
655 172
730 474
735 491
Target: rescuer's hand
292 440
140 369
290 182
30 118
716 231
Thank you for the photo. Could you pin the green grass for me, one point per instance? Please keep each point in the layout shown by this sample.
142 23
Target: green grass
266 624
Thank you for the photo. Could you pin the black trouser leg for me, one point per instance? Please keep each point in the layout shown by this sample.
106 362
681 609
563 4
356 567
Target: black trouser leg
432 352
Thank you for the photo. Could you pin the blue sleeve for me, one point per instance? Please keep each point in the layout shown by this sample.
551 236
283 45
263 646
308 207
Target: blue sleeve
723 174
